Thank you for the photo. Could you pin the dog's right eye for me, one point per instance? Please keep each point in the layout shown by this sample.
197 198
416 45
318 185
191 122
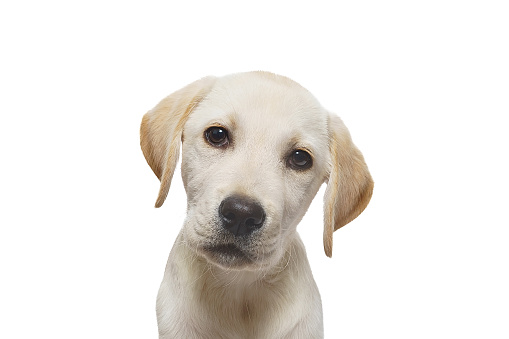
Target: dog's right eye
217 136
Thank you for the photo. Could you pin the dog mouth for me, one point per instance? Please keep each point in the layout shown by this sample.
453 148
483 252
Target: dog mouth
228 255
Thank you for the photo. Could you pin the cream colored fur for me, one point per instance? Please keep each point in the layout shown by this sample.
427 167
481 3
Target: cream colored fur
267 116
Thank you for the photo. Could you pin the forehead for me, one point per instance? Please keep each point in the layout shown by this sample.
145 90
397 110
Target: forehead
264 103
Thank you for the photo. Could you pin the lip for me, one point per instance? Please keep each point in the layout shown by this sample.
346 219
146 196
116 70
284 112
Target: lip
228 255
228 249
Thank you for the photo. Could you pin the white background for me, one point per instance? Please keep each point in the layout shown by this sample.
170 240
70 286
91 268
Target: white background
422 85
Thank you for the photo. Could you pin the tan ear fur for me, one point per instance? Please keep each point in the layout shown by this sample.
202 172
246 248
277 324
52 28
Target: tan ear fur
349 186
161 131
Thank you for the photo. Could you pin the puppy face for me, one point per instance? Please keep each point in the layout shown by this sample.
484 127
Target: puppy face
261 142
256 148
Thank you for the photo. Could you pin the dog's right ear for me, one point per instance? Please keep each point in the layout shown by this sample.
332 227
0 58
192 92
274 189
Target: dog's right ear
161 131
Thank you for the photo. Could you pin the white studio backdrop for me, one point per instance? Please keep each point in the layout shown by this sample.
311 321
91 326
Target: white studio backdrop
422 85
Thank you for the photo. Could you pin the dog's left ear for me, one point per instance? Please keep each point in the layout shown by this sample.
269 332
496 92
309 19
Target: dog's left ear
161 131
349 186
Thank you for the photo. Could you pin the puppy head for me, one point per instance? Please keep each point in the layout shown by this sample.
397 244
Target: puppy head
256 149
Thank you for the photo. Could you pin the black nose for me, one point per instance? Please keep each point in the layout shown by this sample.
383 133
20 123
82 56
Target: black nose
241 215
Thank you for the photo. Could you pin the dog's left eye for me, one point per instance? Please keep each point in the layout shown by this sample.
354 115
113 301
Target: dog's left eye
217 136
300 160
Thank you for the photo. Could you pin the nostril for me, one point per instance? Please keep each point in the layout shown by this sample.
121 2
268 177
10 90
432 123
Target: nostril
257 221
227 211
229 216
250 222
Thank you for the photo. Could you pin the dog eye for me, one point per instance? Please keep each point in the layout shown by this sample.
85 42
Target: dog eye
217 136
300 160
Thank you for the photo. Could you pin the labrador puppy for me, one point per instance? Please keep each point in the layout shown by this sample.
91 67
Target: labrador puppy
256 147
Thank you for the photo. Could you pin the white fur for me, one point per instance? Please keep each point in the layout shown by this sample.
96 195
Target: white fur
267 116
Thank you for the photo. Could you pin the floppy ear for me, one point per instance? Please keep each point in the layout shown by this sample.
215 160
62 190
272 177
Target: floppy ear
349 186
161 131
